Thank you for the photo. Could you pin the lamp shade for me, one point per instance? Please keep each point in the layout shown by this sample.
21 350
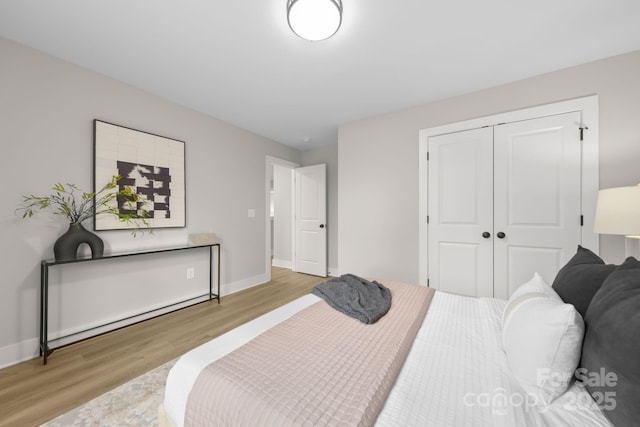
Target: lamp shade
618 211
314 20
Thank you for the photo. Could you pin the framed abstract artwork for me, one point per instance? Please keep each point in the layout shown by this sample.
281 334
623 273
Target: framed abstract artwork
153 166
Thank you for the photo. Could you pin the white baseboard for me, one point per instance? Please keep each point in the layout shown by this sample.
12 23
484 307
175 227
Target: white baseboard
240 285
29 349
333 272
20 352
79 332
283 263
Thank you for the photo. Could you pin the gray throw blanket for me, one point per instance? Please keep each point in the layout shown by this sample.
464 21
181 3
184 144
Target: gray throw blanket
355 297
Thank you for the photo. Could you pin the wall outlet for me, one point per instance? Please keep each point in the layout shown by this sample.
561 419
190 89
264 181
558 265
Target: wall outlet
191 273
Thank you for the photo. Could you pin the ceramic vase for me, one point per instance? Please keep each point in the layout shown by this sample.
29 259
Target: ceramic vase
66 247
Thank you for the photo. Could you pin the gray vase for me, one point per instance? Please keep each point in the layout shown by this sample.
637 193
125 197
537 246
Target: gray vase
66 247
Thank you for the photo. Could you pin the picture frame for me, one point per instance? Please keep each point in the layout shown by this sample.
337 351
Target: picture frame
152 165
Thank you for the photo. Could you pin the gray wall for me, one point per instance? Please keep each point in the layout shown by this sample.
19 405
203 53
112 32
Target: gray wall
46 111
378 159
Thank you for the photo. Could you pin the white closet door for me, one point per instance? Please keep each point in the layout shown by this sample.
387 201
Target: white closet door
460 211
537 198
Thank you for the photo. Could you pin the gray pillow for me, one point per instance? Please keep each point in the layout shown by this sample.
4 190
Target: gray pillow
611 348
579 280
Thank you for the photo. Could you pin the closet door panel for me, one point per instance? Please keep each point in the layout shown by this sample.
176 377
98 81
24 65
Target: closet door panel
460 211
459 265
547 262
534 162
537 198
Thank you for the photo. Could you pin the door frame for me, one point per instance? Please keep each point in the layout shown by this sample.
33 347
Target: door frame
590 178
270 161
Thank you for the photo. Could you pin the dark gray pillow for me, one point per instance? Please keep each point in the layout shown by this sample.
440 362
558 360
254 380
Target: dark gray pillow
611 347
579 280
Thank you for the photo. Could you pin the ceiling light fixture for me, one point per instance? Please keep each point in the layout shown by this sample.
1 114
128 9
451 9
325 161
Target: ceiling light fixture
314 20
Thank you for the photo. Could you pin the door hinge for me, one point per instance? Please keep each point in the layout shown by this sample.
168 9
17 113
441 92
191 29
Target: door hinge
427 156
581 220
582 129
427 219
427 283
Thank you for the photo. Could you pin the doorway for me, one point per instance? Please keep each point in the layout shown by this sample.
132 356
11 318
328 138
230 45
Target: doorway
279 221
296 235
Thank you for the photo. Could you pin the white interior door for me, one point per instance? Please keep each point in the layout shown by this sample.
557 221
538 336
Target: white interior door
537 198
310 224
461 212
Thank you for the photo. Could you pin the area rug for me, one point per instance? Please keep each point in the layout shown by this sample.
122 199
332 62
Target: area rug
132 404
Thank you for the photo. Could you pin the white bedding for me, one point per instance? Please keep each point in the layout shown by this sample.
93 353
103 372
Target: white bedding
456 373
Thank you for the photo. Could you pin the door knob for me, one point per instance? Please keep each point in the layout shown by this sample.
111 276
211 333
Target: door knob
500 235
486 234
321 225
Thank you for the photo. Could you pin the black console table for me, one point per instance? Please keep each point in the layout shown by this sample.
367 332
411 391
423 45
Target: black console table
45 351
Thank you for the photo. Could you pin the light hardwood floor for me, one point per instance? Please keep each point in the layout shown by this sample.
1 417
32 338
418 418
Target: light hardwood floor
31 393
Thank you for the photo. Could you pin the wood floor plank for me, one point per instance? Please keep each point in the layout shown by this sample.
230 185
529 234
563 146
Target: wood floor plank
31 393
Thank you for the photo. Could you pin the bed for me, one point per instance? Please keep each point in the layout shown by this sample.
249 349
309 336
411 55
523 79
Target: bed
459 369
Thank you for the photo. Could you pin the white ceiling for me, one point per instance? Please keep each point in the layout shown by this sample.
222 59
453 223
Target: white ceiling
237 60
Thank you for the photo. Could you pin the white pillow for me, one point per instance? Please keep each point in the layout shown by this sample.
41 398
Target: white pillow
542 338
535 284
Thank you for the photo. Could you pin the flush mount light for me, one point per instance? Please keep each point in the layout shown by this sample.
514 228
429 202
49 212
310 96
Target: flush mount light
314 20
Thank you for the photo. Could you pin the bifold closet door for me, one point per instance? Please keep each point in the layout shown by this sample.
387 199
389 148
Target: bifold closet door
537 166
460 201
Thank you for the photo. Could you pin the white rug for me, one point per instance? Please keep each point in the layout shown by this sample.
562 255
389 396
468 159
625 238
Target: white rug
132 404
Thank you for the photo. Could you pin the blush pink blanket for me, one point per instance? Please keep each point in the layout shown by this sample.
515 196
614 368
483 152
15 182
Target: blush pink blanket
319 367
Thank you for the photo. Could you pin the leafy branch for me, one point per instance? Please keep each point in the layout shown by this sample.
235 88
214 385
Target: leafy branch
77 205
